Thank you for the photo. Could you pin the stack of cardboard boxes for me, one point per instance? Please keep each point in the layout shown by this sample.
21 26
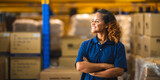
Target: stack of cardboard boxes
81 25
4 54
70 48
125 25
79 32
25 49
66 69
145 37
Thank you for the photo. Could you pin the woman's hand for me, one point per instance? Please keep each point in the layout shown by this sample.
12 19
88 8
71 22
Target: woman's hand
85 59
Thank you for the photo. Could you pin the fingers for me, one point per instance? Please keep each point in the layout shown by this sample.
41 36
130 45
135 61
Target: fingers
85 59
92 74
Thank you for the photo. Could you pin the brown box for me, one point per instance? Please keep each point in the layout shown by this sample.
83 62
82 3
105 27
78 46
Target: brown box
139 45
2 76
67 62
133 24
140 23
4 41
71 45
133 44
151 46
152 23
60 74
25 68
4 67
25 42
2 27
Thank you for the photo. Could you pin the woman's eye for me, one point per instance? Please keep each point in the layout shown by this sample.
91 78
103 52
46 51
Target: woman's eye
96 21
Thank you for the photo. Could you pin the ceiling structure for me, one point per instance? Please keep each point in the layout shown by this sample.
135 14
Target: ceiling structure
83 6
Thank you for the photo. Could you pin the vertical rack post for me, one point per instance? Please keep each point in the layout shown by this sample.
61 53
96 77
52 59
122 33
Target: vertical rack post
45 33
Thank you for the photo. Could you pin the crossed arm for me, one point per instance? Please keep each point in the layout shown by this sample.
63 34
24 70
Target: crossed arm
92 68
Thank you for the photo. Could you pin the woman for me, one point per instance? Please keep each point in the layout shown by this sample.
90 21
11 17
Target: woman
103 57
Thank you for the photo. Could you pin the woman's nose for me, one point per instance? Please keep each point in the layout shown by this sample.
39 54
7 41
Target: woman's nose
92 23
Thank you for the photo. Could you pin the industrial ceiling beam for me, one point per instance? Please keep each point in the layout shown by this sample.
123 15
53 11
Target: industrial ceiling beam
74 1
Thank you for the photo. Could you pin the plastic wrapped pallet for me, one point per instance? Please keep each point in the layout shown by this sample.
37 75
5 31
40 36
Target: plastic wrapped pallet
147 68
26 25
81 25
125 25
56 31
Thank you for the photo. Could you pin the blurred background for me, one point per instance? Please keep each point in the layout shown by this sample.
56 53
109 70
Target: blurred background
40 39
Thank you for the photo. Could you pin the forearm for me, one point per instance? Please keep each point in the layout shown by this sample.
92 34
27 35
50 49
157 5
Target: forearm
109 73
89 67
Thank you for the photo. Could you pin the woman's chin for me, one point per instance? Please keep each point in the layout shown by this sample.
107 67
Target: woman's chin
93 32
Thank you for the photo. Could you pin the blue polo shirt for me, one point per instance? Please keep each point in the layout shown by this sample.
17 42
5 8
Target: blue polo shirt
108 52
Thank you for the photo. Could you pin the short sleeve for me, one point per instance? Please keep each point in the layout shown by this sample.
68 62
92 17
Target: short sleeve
81 52
120 57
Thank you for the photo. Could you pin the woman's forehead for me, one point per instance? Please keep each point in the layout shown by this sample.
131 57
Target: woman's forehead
97 16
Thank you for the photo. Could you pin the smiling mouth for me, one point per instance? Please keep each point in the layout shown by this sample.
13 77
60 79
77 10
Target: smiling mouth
93 27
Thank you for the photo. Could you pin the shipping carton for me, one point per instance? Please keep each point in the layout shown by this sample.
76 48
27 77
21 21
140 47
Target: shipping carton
23 42
140 43
25 68
133 44
152 24
4 67
134 24
71 45
60 74
140 23
4 41
2 76
151 46
67 62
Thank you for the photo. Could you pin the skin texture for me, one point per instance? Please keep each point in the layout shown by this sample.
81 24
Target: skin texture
88 67
98 27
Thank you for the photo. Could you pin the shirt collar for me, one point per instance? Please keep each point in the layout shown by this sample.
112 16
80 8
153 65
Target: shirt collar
95 40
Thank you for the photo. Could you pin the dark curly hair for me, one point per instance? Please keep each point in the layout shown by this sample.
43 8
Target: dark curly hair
113 30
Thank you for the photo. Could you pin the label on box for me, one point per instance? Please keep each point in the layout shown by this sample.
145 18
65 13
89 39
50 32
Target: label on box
6 34
36 35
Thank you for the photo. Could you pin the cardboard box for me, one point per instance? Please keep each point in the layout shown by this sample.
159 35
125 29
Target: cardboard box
25 68
25 42
133 44
2 76
139 45
152 24
151 46
2 27
4 67
133 24
4 41
140 23
71 45
60 74
67 62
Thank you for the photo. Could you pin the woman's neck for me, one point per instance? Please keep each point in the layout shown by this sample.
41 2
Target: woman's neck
102 37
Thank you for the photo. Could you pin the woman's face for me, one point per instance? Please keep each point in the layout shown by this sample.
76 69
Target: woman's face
97 24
